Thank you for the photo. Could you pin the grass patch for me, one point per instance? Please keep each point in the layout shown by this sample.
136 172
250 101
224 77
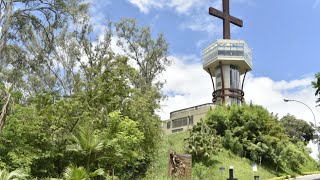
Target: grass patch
310 173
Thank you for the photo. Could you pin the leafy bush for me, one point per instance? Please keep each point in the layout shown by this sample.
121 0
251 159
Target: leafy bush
200 171
202 142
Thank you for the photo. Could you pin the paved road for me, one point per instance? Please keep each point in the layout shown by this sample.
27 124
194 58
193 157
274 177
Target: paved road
309 177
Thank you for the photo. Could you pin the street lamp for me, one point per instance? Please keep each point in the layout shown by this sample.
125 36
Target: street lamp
314 117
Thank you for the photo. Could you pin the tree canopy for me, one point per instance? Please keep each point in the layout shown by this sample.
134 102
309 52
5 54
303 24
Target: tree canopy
297 129
70 104
252 132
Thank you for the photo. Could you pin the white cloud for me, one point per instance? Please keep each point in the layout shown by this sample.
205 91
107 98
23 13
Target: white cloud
192 9
270 94
188 85
202 23
195 11
180 6
145 5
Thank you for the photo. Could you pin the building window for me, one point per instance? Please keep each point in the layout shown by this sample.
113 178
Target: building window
177 130
168 125
180 122
234 82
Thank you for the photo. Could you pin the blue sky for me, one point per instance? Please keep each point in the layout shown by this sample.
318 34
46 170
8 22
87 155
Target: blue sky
283 34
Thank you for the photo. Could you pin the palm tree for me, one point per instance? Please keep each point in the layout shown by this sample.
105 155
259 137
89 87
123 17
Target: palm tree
87 143
13 175
80 173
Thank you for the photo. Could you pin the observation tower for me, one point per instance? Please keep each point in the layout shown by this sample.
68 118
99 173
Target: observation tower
226 60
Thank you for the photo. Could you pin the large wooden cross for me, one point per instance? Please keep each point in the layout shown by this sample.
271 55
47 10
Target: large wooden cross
227 19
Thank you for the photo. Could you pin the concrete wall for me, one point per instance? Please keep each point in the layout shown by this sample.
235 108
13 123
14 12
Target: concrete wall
197 112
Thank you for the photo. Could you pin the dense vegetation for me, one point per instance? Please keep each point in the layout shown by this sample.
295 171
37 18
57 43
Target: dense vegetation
71 106
240 136
251 132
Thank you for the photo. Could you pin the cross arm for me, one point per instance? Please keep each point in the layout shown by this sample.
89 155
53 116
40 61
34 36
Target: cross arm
216 13
236 21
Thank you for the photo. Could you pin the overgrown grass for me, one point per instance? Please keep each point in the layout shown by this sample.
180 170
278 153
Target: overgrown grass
159 169
224 158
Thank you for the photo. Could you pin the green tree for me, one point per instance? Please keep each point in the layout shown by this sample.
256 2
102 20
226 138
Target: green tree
27 38
87 143
79 173
150 55
5 104
34 137
316 85
22 138
297 129
202 142
13 175
123 142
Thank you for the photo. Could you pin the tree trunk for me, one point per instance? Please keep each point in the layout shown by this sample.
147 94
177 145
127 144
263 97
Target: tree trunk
6 21
4 112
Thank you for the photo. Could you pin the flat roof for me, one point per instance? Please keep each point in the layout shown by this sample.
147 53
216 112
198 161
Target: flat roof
193 107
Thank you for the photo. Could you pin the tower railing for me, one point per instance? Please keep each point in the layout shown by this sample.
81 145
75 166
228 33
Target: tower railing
228 92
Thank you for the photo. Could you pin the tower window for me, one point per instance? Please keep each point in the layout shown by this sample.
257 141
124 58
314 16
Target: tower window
234 82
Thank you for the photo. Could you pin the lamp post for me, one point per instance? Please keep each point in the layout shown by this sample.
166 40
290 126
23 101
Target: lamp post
314 117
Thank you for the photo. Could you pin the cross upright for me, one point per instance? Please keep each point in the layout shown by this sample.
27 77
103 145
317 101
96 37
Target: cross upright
227 19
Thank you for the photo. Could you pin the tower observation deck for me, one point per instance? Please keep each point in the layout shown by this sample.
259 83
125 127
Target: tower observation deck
227 60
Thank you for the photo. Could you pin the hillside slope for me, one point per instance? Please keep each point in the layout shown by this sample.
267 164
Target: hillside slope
224 158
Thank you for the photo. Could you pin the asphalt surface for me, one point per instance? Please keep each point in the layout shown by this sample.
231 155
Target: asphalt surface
309 177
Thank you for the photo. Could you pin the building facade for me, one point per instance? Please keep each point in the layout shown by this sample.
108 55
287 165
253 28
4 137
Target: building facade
184 119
